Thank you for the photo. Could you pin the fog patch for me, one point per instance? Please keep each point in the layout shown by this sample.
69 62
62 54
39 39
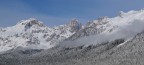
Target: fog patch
124 32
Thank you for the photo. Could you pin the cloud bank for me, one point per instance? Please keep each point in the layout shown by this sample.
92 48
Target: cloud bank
124 32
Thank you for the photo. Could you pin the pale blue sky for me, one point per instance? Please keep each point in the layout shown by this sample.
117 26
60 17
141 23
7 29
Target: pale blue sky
57 12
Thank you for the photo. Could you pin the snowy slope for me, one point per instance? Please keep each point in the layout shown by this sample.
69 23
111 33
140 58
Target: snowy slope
33 34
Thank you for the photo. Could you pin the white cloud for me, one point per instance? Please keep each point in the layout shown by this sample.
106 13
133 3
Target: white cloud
125 32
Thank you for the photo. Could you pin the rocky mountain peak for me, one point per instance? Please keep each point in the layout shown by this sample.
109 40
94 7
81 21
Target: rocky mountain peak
31 22
102 20
75 25
99 21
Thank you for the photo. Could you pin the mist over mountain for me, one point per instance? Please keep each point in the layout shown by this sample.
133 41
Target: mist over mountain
31 41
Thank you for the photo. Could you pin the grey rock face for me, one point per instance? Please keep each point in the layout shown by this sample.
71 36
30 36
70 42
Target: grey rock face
84 32
75 25
33 22
91 28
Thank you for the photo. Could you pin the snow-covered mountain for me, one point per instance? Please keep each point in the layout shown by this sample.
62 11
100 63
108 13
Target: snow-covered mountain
105 25
34 34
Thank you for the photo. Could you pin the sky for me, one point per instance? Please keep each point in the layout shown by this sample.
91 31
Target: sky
58 12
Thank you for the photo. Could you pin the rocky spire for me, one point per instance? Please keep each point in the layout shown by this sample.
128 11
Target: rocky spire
75 25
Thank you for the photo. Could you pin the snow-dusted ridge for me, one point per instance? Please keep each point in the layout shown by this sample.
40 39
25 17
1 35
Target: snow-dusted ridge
34 34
